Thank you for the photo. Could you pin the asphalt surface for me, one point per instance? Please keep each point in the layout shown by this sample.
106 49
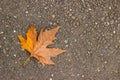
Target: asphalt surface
89 31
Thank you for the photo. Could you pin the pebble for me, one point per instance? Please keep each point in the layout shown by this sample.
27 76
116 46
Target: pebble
39 16
26 12
45 7
22 49
75 40
28 6
98 70
15 16
110 7
78 74
16 62
0 9
83 76
69 60
14 55
73 17
7 26
50 23
50 79
112 21
72 75
105 62
70 14
1 32
114 32
53 16
66 41
14 31
106 23
66 46
52 75
4 37
70 9
96 23
89 9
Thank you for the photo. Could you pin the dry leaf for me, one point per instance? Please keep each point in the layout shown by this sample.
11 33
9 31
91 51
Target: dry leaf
37 47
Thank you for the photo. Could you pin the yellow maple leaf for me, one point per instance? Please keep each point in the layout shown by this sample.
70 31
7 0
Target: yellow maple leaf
37 47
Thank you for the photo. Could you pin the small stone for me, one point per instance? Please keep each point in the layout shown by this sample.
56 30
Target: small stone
1 32
112 21
36 0
73 17
14 55
50 79
52 75
69 60
7 55
72 75
4 37
7 26
70 14
119 41
14 31
83 76
39 16
78 74
75 40
98 70
0 9
106 23
15 16
70 9
89 9
110 7
16 62
26 12
96 23
27 5
53 16
54 24
45 7
66 41
102 19
114 32
66 46
22 49
51 23
105 62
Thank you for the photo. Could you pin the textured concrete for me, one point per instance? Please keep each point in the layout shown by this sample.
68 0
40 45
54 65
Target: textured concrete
90 32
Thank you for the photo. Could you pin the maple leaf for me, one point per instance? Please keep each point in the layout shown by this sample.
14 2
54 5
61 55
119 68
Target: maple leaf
37 46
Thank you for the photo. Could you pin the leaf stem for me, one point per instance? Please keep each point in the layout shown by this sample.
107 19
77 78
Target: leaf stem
25 62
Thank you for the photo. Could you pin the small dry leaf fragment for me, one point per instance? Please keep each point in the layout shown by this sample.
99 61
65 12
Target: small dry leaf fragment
37 47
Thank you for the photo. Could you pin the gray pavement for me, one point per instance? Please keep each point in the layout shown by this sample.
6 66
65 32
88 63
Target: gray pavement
90 32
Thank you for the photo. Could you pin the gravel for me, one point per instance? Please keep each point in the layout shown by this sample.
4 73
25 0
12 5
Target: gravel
89 31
